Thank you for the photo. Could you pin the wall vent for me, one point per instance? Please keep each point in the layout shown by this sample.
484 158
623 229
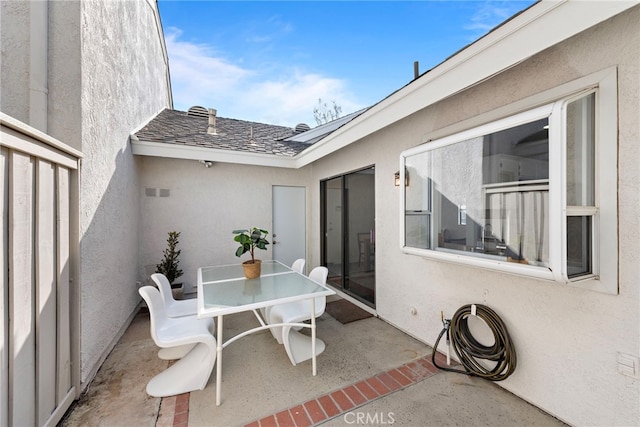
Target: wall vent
165 192
150 192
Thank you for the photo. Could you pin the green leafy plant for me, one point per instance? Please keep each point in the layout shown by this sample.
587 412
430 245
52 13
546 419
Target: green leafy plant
250 240
169 264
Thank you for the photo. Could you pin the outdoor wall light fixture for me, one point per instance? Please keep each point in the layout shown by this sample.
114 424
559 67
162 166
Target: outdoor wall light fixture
406 178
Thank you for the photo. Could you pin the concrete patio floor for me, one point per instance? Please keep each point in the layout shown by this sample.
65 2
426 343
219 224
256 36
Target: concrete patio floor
370 374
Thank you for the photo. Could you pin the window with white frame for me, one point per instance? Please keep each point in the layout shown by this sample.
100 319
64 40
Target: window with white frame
523 194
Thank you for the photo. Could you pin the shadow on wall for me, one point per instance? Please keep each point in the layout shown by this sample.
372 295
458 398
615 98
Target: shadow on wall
109 248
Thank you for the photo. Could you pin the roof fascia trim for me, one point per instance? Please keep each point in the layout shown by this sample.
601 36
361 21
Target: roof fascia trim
186 152
546 22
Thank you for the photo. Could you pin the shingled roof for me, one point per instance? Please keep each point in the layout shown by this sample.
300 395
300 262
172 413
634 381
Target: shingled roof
179 128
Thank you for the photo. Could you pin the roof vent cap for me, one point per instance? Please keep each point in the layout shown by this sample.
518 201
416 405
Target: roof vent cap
198 111
302 127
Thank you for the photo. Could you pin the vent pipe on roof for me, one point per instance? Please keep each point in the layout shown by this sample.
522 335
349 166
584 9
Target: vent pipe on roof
416 70
251 140
211 129
301 127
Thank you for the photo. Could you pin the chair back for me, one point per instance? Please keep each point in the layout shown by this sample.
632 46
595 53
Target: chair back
172 306
298 265
157 315
319 275
164 287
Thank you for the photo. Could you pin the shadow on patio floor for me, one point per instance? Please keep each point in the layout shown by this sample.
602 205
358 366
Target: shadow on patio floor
260 384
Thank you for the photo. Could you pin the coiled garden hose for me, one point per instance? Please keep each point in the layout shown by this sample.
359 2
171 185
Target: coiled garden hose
470 351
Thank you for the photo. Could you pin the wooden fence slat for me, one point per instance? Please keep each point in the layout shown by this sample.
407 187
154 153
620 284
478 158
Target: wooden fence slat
64 295
22 334
4 279
46 300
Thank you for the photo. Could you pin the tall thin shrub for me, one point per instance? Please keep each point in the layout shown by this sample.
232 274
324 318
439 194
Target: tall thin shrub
169 264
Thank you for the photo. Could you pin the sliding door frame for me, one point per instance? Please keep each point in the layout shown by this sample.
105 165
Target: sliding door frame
345 255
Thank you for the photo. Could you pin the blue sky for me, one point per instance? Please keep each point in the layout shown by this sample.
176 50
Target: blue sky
270 61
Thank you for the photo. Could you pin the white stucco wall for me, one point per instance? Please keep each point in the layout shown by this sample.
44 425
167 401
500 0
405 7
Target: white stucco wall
14 56
205 205
123 85
567 338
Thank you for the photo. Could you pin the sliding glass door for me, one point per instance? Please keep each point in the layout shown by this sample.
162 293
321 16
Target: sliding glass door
348 227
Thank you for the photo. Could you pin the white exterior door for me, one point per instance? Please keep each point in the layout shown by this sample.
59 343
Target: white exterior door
288 236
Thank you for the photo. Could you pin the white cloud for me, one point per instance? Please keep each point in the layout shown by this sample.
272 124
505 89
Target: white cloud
489 15
200 76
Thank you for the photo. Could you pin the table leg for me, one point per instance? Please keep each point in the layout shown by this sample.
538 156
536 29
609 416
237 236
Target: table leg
313 336
219 362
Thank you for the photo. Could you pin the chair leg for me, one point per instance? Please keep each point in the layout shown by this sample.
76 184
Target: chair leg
174 353
298 346
188 374
276 331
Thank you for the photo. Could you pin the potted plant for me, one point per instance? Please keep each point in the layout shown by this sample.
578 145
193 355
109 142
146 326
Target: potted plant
169 264
250 240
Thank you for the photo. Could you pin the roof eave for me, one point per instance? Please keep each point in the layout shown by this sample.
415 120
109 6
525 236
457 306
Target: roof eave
187 152
546 22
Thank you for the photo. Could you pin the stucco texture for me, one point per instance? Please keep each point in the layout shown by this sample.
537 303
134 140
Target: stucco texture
15 39
205 205
567 338
124 83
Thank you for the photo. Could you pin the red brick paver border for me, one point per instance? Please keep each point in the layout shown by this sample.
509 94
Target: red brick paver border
181 414
341 401
337 402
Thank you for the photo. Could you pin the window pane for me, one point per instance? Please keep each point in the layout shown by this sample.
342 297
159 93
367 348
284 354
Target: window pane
578 245
518 226
520 153
457 182
581 151
417 231
418 202
418 192
486 196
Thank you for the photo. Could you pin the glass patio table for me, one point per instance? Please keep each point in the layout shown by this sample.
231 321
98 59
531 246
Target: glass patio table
224 290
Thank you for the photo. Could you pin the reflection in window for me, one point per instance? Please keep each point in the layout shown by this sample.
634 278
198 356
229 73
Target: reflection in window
581 151
579 245
487 196
580 176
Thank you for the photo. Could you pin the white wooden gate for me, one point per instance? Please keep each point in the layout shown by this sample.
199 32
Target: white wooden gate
39 235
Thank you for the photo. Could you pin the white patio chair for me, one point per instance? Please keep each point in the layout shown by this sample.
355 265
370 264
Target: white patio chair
298 346
173 307
298 267
192 371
